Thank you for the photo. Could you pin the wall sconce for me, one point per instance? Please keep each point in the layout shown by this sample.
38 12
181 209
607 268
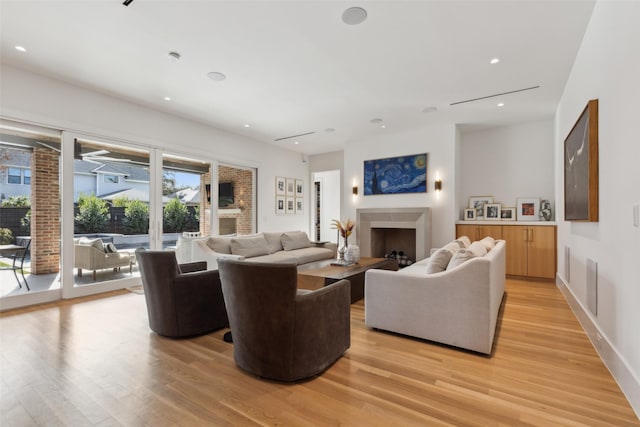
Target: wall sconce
355 190
207 189
438 185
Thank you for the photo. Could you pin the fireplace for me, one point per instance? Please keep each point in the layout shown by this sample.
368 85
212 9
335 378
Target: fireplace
228 226
382 230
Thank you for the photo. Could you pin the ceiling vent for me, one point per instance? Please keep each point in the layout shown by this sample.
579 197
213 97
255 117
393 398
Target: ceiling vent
294 136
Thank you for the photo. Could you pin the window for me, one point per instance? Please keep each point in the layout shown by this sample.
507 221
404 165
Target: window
14 176
111 179
27 176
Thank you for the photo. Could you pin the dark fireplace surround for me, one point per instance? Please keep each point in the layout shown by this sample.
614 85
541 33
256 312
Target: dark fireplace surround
380 230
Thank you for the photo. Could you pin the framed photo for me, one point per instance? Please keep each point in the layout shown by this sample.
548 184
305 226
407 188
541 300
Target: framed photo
299 205
299 188
492 211
528 209
508 214
280 186
581 167
395 175
280 205
290 205
469 214
478 202
291 187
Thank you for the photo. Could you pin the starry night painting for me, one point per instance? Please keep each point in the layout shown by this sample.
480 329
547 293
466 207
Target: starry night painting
406 174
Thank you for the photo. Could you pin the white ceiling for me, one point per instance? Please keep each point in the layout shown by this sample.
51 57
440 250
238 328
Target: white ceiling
294 67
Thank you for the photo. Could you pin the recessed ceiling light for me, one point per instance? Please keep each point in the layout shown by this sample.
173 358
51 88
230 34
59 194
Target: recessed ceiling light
500 104
296 142
354 16
216 76
430 110
376 120
21 49
174 56
247 125
167 98
383 126
494 61
329 130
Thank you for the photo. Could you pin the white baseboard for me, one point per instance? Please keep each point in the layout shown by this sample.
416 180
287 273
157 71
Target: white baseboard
620 371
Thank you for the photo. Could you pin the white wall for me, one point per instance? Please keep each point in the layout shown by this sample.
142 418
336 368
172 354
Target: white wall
48 102
507 163
607 67
439 142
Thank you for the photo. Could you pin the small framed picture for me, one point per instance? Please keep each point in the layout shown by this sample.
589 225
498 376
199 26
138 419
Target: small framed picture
280 186
290 205
508 214
527 209
299 188
478 202
299 205
291 187
280 205
492 211
469 214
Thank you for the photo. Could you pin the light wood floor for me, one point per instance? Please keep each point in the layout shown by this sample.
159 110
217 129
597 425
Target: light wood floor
94 361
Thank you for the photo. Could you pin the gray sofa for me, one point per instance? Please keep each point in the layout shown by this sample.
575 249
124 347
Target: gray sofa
289 247
453 297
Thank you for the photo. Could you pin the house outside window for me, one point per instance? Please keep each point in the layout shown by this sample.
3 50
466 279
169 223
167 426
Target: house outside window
14 176
111 179
27 176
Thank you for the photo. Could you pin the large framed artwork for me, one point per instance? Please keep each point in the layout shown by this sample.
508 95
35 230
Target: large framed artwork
394 175
581 167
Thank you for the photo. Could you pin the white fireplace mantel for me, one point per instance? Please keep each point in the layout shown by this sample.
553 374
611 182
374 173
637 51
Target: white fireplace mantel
418 219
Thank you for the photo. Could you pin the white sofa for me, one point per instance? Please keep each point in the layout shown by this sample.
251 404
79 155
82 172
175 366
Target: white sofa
276 247
458 306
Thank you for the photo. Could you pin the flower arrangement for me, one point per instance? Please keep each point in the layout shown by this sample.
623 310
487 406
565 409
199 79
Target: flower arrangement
345 229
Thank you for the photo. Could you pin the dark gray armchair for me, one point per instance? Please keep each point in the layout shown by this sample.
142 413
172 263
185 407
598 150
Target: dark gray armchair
278 332
181 300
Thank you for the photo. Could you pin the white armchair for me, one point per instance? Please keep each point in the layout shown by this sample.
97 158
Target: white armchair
90 255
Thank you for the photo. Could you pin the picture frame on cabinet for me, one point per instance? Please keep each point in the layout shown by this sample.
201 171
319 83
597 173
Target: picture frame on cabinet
527 209
280 205
469 214
478 202
280 186
492 211
508 213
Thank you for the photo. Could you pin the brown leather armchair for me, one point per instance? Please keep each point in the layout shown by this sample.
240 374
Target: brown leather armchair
181 300
278 332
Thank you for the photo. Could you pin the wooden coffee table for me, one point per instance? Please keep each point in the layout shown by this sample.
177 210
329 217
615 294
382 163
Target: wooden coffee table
317 274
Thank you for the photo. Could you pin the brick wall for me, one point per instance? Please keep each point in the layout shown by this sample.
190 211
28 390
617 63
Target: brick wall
242 180
205 207
45 211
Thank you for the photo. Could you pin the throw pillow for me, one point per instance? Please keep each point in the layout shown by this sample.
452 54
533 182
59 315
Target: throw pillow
476 249
463 241
220 244
295 240
488 243
249 246
439 260
274 241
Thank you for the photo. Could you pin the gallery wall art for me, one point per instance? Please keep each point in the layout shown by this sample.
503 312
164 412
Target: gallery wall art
395 175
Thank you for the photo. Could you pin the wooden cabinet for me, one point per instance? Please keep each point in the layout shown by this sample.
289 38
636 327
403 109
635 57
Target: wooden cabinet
479 231
531 249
